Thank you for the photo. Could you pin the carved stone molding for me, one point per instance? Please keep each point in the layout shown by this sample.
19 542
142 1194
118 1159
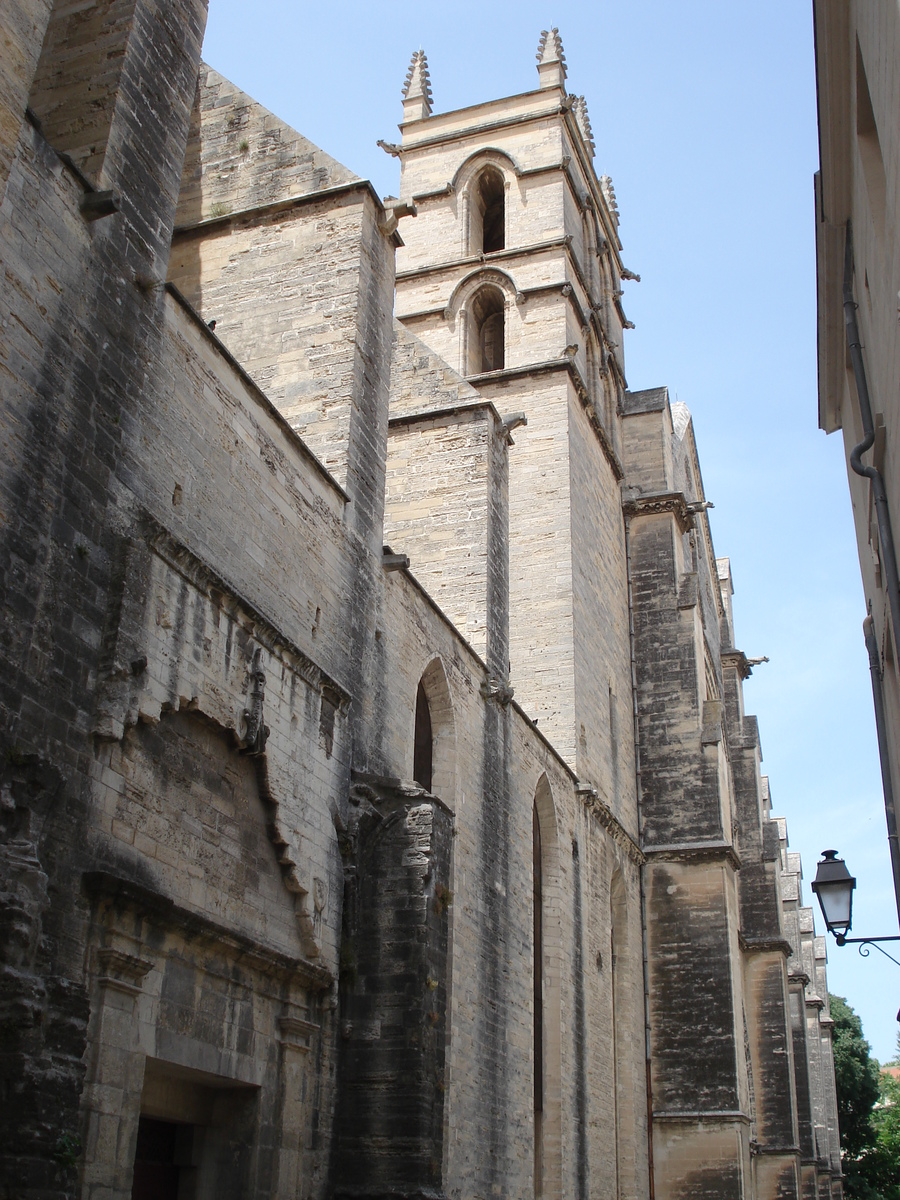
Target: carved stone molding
164 914
763 945
497 689
590 798
227 598
254 732
710 851
121 972
665 502
296 1031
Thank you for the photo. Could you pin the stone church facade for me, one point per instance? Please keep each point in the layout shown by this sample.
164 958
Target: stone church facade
380 813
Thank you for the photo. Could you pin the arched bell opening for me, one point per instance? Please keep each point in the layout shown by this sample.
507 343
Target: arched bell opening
487 331
487 209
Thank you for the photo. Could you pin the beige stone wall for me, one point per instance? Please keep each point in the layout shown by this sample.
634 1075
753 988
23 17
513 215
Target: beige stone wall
858 86
446 496
285 293
240 156
605 754
24 23
490 1065
821 1153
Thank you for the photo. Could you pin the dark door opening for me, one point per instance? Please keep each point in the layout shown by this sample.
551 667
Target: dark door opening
161 1145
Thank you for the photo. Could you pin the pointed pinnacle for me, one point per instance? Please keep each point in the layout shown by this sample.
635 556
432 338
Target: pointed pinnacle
550 48
418 82
551 60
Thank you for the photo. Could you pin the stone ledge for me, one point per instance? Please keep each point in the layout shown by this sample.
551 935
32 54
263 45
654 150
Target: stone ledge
155 906
693 852
762 945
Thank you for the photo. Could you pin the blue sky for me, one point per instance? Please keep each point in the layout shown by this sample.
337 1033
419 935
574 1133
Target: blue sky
704 115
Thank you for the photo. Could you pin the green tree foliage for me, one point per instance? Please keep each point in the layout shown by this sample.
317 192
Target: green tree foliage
868 1112
881 1164
856 1076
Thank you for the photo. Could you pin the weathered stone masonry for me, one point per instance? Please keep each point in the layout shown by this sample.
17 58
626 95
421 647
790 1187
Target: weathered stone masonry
250 524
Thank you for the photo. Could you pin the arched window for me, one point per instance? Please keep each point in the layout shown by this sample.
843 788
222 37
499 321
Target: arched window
433 734
622 1004
546 919
487 350
538 902
423 752
487 209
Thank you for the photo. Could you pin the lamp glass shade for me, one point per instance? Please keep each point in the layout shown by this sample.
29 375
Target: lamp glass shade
834 886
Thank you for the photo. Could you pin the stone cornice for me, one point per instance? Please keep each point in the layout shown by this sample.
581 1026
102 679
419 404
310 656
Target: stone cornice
224 595
693 852
763 945
121 972
673 503
165 912
718 1115
446 413
758 1148
289 432
296 1031
610 822
548 367
475 260
738 660
468 132
274 208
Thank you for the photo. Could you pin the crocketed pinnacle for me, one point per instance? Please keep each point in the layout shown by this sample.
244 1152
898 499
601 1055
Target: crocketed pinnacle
551 59
418 82
550 48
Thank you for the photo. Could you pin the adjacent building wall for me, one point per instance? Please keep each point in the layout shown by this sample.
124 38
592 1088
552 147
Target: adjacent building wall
857 201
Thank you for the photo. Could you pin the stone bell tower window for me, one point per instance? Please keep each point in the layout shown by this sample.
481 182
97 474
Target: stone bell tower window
486 331
489 213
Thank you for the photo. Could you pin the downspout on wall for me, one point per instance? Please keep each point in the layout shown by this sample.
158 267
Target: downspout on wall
881 729
886 544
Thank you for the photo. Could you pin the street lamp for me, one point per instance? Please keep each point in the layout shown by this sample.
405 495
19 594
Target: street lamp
834 886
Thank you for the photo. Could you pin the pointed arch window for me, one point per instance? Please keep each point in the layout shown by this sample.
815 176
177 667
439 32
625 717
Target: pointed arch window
487 332
488 213
423 751
538 910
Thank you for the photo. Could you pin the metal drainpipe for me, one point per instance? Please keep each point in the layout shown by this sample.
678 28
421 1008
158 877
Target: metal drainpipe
885 537
886 544
644 950
881 730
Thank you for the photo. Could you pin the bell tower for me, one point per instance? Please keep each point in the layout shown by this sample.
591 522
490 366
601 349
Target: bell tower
511 272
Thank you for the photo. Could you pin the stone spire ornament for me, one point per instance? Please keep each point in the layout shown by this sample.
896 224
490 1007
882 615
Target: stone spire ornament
417 89
551 60
580 112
